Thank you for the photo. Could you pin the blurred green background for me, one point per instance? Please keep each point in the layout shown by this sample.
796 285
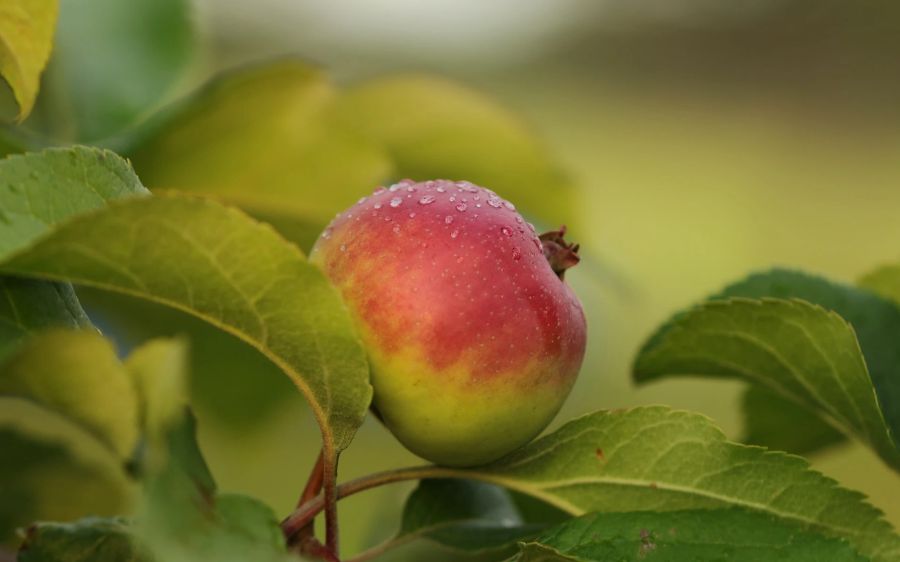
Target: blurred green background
706 139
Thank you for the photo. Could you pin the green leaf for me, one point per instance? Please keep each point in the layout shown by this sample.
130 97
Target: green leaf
28 306
463 515
88 540
435 128
655 458
26 39
230 271
778 423
68 423
801 351
42 189
113 62
875 320
77 375
692 536
285 158
233 528
885 281
47 473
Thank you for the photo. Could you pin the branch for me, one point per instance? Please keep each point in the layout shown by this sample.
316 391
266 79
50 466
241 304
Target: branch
308 511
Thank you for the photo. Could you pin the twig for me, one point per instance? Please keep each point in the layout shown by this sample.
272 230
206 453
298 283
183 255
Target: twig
329 485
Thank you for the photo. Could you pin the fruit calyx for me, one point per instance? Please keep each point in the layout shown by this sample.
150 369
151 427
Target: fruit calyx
560 254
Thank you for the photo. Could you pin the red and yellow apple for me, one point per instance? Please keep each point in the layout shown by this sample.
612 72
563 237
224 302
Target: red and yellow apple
473 336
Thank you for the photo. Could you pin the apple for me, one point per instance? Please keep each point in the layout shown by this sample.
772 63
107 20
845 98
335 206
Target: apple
473 336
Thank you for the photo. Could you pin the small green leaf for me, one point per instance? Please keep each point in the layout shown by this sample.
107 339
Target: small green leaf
48 474
26 39
435 128
780 424
690 536
252 521
885 281
28 306
42 189
113 62
232 272
655 458
232 528
77 375
88 540
285 158
463 515
801 351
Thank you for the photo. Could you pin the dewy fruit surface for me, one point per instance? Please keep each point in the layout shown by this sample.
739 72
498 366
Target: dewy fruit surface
474 340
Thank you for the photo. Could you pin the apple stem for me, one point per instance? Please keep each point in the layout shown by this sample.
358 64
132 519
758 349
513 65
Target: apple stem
560 254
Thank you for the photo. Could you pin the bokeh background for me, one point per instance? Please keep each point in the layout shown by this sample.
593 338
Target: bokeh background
706 140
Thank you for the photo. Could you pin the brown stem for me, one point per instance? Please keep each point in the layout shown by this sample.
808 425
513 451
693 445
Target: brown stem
315 549
560 254
307 512
305 539
329 484
314 484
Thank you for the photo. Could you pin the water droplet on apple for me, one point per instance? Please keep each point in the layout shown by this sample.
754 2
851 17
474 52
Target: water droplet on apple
454 234
426 200
462 207
396 201
377 205
506 231
516 254
448 219
494 202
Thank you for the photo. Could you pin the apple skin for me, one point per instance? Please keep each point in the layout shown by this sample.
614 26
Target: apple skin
474 340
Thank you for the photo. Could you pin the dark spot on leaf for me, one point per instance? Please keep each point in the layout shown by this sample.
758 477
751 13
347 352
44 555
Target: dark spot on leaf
653 485
599 453
647 544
